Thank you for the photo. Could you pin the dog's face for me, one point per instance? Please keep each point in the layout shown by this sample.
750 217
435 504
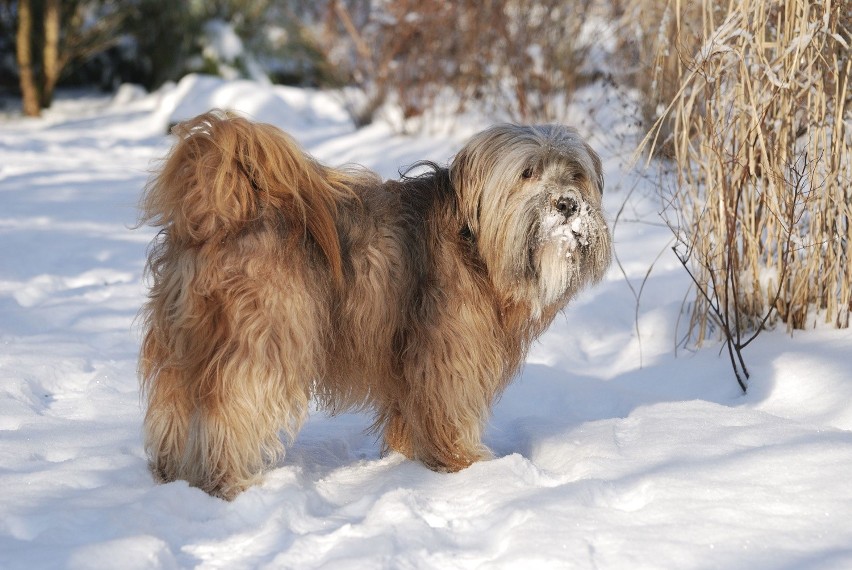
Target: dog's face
532 198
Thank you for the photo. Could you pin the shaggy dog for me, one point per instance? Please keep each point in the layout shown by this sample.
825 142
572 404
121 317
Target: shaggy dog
276 279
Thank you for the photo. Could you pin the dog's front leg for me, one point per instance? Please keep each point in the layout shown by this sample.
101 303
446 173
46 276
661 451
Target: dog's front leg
453 372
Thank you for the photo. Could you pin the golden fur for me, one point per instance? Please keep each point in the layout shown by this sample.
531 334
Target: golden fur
276 279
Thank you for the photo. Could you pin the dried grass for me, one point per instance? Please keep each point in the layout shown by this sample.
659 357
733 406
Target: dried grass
760 129
655 40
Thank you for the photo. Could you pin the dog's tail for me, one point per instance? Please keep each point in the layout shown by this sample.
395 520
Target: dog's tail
226 172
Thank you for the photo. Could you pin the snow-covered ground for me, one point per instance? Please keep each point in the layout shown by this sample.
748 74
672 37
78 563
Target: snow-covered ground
604 459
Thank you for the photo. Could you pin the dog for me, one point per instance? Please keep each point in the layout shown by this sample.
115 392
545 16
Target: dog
275 280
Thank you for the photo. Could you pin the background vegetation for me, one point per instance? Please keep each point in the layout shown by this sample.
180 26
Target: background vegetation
748 103
759 131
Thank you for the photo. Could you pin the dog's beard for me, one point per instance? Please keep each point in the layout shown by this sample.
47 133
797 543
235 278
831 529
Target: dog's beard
545 256
568 253
542 255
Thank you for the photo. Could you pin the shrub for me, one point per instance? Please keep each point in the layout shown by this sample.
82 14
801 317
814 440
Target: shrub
521 61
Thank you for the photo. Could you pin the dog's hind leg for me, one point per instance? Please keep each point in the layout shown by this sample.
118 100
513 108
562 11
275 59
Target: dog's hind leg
243 347
169 409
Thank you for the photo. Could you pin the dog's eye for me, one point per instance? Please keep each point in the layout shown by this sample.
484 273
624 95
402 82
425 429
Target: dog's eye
528 173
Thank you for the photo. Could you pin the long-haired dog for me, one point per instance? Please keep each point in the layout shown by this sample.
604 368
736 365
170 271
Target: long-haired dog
276 279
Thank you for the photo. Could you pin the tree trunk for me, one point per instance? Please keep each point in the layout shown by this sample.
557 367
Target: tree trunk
29 90
52 66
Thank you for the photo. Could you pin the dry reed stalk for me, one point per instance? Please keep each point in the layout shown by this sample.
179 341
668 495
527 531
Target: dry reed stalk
654 42
760 128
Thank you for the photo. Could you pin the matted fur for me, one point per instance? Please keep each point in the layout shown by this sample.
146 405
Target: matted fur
276 279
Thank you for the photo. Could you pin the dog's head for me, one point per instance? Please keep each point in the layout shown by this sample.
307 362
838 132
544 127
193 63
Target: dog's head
531 196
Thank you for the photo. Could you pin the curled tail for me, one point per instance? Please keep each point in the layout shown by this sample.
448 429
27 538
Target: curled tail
226 172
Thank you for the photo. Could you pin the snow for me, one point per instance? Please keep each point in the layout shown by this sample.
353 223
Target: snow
569 236
611 450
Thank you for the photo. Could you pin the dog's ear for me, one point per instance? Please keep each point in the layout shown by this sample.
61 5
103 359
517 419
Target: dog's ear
467 184
598 166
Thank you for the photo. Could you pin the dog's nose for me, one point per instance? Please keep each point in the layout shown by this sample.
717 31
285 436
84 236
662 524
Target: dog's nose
567 206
